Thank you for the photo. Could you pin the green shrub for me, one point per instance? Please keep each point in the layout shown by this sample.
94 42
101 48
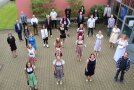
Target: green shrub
100 10
75 6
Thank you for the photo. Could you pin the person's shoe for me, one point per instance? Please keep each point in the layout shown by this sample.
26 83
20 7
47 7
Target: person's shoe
87 35
115 79
35 88
86 80
85 45
90 80
68 35
57 82
47 46
51 36
44 45
60 82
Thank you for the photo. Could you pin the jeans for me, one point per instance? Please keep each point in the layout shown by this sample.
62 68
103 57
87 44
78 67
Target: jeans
121 76
109 30
54 23
90 30
20 35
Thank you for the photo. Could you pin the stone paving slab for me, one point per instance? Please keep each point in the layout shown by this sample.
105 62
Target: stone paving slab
12 76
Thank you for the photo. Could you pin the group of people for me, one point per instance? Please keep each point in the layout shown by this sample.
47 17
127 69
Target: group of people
121 56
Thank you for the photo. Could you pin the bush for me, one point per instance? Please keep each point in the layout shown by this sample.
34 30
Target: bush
100 10
75 6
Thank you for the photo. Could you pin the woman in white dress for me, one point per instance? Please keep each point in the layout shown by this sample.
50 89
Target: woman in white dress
121 48
97 46
44 35
114 36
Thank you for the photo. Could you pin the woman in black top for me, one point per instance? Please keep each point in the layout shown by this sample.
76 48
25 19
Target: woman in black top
62 33
82 9
96 15
26 34
12 44
90 67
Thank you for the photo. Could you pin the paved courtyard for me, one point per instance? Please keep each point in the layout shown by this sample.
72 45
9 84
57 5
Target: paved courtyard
12 75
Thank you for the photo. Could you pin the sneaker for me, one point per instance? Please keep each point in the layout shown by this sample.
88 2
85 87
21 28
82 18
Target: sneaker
60 82
47 46
44 45
90 80
57 82
35 88
87 35
51 36
85 45
86 80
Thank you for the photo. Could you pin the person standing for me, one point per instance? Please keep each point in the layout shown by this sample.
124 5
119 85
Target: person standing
114 36
96 15
53 15
44 34
30 76
68 12
23 19
26 34
32 41
62 34
80 32
58 48
34 22
80 19
58 67
18 30
66 23
123 65
121 48
97 46
106 14
82 9
90 25
90 67
48 24
111 24
31 54
79 47
12 44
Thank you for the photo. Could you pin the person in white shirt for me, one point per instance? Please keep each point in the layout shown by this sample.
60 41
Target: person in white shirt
34 22
53 15
90 25
44 35
107 13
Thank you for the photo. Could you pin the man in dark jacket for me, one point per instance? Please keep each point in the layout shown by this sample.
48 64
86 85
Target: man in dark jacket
68 12
123 64
80 19
18 29
48 24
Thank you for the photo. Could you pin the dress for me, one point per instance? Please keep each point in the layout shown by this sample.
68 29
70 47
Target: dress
62 33
97 46
120 50
58 50
31 54
32 81
80 32
58 69
90 67
79 47
114 35
11 42
31 40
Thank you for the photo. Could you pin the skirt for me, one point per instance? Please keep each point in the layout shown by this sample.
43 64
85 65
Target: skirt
32 81
13 47
63 36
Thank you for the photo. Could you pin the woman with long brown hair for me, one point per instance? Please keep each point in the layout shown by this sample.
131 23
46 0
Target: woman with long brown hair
58 47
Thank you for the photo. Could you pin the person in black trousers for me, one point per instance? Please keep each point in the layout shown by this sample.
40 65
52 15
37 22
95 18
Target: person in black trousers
96 15
48 24
12 44
18 29
80 19
68 12
23 19
123 65
26 34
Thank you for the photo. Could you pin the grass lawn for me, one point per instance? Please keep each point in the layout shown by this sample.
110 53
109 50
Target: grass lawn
8 16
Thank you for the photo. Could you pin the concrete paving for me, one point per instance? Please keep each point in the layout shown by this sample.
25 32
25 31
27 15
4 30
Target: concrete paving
3 2
12 76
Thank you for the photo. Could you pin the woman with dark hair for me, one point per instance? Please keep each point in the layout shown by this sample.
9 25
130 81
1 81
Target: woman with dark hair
30 75
96 15
12 44
26 33
90 67
82 9
62 33
80 32
58 47
44 34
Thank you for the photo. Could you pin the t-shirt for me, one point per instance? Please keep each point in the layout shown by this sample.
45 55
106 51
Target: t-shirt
55 62
31 52
91 23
